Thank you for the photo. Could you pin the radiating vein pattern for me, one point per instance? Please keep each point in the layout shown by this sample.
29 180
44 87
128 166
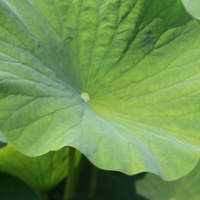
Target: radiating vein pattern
137 61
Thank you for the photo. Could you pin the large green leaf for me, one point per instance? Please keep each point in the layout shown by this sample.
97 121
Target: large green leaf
41 173
154 188
138 62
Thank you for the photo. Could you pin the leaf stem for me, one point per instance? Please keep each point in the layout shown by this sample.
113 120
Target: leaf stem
68 194
93 182
43 196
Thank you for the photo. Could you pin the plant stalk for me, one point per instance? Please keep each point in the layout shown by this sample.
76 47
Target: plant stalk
93 182
77 173
69 194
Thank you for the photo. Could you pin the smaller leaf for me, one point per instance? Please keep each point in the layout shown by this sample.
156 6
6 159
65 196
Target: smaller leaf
153 187
41 173
193 7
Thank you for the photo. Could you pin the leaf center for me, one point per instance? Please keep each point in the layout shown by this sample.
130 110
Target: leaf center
85 96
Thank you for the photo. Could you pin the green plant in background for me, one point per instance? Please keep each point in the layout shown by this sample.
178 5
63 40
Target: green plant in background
117 80
13 188
40 173
154 188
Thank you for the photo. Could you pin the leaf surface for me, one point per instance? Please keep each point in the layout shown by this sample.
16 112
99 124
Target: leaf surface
137 60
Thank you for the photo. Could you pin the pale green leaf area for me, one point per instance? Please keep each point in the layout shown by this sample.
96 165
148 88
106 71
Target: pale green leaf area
193 7
2 138
154 188
3 141
138 62
41 173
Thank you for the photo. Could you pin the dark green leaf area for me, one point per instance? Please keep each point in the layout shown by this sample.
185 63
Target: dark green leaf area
57 192
11 188
110 185
2 145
